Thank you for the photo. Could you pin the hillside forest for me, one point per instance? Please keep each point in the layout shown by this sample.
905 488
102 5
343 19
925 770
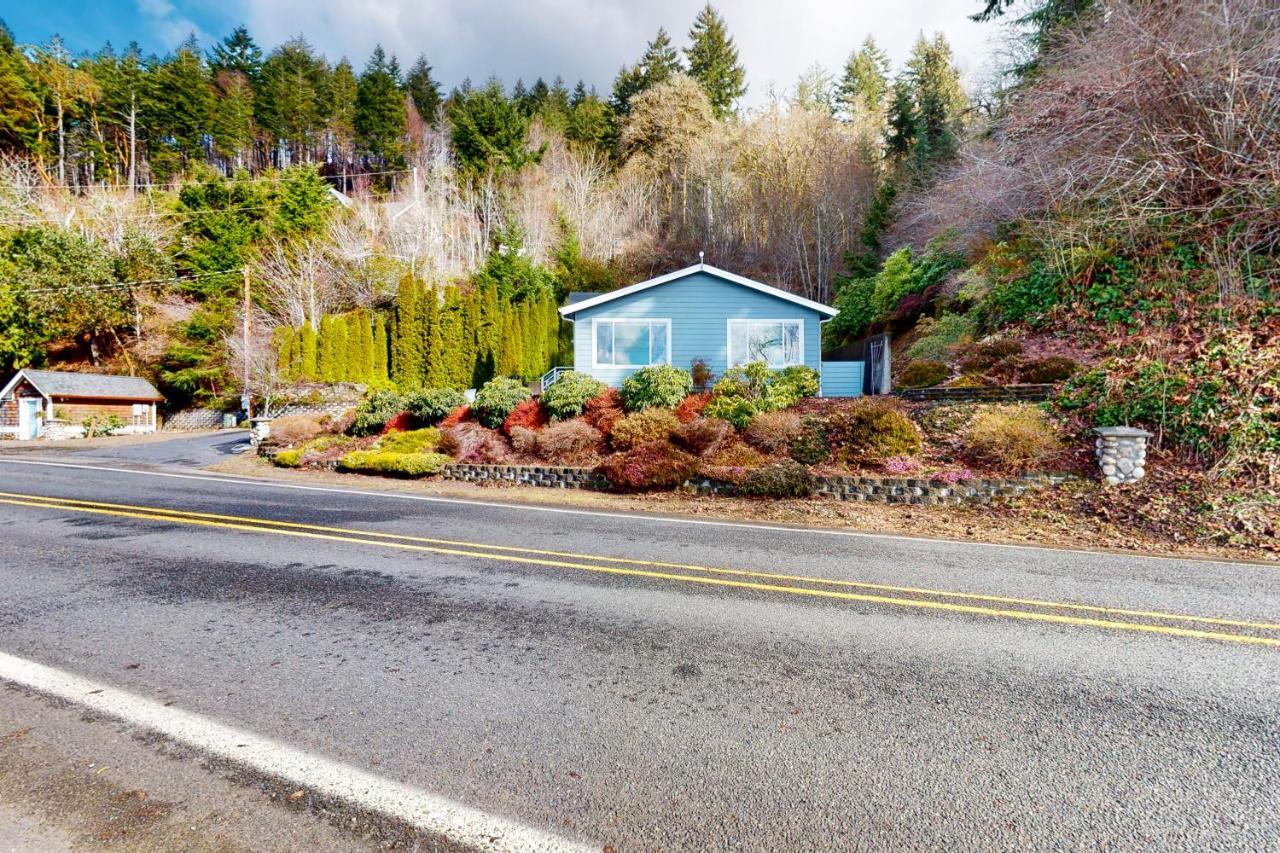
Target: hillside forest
1100 211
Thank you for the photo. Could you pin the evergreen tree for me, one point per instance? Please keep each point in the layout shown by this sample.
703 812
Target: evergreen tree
326 358
238 53
939 99
282 340
591 124
365 370
488 131
865 82
303 203
508 361
658 64
713 62
180 102
310 356
900 127
20 106
455 366
379 362
340 107
423 90
231 124
407 345
380 120
437 367
290 98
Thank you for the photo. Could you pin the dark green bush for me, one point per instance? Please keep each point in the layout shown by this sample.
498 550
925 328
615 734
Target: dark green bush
657 386
778 480
923 374
567 397
497 398
433 405
1054 368
375 410
811 444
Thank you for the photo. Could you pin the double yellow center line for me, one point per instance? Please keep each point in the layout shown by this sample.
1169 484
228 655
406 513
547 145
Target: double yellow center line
1001 607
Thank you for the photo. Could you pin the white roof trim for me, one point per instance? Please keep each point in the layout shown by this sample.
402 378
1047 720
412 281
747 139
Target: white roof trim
13 383
568 310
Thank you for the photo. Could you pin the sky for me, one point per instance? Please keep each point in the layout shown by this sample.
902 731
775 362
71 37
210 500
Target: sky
778 40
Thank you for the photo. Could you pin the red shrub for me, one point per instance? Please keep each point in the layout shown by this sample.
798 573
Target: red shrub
402 422
473 443
573 442
528 414
603 410
649 466
457 416
705 436
691 407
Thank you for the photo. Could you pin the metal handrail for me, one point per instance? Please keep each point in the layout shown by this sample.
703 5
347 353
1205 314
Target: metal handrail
552 376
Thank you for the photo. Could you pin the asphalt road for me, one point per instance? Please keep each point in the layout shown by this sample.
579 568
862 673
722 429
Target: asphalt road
649 683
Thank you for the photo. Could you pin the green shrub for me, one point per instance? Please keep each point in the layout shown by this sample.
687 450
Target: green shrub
657 386
1054 368
923 374
375 410
288 458
896 279
871 429
778 480
1011 436
747 390
853 299
800 380
939 337
811 444
495 400
567 397
643 427
413 441
650 466
393 464
433 405
738 411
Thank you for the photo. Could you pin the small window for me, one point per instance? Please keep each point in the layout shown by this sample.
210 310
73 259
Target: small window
778 343
632 343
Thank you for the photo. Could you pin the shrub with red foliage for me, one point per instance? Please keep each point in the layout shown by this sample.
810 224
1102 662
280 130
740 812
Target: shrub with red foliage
572 442
528 414
691 407
474 444
457 416
655 465
402 422
524 441
603 410
705 436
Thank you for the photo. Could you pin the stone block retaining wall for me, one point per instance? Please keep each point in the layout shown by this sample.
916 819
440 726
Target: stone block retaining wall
550 476
192 419
984 394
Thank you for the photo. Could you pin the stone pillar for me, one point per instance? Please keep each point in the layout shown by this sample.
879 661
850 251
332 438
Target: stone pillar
1122 454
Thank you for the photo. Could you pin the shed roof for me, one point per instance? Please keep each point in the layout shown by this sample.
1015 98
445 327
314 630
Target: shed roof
59 383
573 307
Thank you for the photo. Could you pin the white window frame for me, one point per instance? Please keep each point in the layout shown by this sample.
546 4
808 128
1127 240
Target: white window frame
596 321
728 344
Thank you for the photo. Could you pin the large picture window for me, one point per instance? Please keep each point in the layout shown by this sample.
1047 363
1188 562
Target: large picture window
778 343
632 343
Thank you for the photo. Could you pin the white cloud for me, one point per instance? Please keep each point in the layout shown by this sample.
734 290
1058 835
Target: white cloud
590 39
169 27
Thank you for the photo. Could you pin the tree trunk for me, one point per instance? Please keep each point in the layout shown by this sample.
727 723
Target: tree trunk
133 143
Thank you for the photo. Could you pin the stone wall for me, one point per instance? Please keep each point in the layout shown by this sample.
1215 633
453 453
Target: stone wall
912 490
193 419
984 394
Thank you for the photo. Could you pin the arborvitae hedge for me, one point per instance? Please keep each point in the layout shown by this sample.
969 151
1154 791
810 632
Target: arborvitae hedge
432 339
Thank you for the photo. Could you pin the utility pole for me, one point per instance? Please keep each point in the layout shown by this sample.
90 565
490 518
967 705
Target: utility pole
248 309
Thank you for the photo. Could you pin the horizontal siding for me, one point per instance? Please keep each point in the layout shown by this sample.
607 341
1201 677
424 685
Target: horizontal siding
842 378
699 306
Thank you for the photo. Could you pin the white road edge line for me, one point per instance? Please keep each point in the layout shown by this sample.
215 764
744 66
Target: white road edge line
776 528
428 812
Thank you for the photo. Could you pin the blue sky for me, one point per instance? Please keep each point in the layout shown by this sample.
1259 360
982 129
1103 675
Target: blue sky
585 39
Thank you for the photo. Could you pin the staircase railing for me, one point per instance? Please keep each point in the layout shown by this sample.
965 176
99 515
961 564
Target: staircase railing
552 376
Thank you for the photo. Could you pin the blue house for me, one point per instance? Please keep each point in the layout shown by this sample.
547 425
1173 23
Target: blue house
706 313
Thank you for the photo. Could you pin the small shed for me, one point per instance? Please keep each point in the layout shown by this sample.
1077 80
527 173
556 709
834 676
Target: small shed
33 402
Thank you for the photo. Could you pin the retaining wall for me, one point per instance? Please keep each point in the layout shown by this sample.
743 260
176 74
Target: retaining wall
984 394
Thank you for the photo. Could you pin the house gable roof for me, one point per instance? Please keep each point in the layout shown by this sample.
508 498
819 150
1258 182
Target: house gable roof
573 307
57 383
